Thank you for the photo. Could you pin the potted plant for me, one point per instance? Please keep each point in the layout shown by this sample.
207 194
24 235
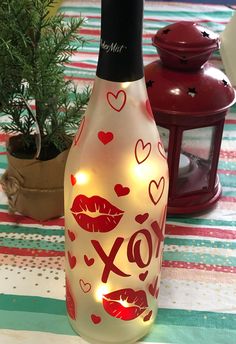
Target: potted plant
38 107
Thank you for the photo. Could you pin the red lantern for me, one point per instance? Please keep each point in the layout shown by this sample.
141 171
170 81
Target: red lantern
189 98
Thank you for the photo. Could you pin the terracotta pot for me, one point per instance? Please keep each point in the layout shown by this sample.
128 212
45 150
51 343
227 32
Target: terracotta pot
35 188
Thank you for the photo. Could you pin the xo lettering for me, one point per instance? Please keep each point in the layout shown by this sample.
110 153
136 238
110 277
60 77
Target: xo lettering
152 240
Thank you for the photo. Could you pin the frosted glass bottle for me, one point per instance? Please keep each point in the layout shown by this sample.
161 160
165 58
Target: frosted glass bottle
116 186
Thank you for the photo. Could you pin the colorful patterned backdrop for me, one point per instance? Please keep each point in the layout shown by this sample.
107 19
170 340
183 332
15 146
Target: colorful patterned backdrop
198 289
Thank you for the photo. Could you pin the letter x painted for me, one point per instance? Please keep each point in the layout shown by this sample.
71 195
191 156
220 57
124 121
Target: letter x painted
109 260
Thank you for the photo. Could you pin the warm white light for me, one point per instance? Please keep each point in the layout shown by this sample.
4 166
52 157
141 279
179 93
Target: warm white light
175 91
125 84
143 172
124 303
81 177
101 290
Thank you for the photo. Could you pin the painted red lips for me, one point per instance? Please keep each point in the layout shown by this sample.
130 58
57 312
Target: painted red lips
125 304
95 214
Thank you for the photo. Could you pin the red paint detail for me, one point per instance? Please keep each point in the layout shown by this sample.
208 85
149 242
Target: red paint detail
108 260
148 316
210 232
134 252
83 208
72 180
137 303
105 138
157 293
141 218
121 190
142 151
117 101
159 232
71 235
88 261
86 287
3 153
161 149
156 190
78 135
149 109
198 266
70 304
143 275
30 252
96 319
153 288
72 260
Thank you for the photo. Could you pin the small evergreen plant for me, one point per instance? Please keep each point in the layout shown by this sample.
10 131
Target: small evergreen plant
34 95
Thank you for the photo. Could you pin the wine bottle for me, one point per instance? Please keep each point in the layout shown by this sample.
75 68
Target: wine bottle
116 186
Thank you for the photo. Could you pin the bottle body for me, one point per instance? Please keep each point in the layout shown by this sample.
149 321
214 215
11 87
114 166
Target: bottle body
116 183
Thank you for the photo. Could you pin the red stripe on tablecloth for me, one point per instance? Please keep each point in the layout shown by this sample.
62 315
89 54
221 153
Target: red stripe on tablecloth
78 78
203 232
227 199
19 219
198 266
81 65
230 121
145 18
227 154
226 171
30 252
3 137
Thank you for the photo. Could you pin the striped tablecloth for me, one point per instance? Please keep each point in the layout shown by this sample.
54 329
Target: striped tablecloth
198 289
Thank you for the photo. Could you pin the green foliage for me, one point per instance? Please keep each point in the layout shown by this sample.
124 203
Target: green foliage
33 50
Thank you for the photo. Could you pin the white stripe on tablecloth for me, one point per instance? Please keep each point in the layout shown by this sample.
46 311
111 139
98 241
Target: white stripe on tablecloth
197 295
29 337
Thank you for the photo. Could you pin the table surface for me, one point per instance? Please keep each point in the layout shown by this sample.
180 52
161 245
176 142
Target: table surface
198 289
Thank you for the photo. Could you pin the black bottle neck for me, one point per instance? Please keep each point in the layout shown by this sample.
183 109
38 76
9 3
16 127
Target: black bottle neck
120 55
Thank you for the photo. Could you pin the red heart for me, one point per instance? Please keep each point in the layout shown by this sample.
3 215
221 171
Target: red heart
70 304
88 261
72 180
149 108
72 260
142 151
153 288
141 218
71 235
117 101
96 319
81 127
156 190
105 137
143 276
161 149
121 190
148 316
86 287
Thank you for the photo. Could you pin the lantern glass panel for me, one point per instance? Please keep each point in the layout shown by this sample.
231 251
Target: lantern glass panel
164 134
195 160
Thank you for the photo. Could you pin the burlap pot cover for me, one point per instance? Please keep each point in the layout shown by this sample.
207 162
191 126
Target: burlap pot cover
35 188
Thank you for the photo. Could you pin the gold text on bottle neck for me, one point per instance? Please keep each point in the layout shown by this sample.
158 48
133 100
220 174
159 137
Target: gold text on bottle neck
112 47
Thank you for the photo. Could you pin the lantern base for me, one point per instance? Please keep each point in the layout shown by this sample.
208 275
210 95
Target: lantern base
197 203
